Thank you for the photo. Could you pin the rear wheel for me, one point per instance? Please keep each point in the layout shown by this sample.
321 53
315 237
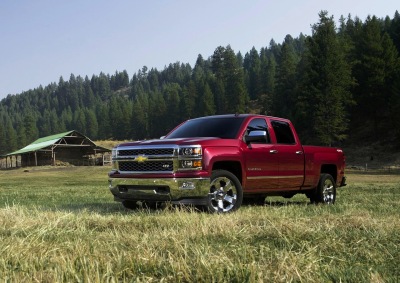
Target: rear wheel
226 192
325 191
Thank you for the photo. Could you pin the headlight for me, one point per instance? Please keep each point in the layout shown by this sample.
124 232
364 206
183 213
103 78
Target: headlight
114 163
190 158
190 151
114 152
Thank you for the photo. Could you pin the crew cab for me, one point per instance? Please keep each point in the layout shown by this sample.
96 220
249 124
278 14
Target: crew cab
222 161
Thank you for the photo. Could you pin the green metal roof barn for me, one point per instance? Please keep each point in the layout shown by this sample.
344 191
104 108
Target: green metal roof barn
65 148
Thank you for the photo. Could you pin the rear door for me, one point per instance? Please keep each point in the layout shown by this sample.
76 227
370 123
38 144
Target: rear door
290 155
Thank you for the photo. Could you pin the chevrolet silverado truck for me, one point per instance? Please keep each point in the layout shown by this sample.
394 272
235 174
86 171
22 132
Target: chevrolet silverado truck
219 162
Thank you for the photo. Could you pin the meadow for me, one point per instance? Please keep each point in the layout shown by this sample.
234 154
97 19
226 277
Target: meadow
62 225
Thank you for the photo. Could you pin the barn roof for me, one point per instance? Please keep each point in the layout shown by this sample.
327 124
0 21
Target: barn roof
66 139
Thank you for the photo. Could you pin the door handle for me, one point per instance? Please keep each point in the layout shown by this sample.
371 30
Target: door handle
273 151
299 152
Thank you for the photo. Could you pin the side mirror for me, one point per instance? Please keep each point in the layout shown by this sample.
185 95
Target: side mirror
256 136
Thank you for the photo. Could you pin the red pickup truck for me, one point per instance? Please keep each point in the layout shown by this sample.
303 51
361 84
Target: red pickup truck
222 161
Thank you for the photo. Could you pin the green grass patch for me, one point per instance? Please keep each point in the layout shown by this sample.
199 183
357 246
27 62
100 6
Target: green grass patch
62 225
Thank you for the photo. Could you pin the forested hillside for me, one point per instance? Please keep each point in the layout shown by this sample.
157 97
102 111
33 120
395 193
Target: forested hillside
341 85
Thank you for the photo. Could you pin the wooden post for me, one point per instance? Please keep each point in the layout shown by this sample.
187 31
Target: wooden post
35 158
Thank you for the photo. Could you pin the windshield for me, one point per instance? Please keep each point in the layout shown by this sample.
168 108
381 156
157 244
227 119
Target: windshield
220 127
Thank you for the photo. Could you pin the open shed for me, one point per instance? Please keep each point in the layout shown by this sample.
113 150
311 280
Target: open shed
66 148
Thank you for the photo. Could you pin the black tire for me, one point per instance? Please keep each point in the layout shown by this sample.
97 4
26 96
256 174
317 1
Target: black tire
226 194
326 190
130 204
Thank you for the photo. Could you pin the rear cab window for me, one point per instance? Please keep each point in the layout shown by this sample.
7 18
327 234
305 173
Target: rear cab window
283 132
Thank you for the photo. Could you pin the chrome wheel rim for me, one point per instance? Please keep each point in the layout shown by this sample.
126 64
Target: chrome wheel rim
223 194
328 192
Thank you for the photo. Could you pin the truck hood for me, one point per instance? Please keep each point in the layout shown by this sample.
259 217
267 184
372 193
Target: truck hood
179 141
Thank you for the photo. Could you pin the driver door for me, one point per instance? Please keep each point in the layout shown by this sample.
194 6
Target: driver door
261 160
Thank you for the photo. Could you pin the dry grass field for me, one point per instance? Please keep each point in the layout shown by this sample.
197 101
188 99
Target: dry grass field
62 225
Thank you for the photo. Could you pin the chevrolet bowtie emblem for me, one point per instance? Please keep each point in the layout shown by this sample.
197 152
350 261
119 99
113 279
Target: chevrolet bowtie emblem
141 158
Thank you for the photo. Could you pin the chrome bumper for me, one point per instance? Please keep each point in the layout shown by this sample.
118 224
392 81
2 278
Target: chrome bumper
176 190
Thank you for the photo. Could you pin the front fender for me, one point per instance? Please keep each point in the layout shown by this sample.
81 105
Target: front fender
224 155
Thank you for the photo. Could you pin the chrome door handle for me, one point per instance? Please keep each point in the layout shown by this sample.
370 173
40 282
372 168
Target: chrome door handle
299 152
273 151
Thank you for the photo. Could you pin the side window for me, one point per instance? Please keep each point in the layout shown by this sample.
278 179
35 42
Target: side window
283 133
258 124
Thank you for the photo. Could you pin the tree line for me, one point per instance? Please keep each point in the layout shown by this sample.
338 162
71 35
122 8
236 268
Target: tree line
339 85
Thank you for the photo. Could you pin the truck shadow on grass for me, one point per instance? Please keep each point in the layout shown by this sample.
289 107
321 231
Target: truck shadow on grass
286 203
110 208
93 207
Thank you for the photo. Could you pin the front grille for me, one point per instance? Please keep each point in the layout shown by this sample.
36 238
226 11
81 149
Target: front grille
146 159
149 166
146 151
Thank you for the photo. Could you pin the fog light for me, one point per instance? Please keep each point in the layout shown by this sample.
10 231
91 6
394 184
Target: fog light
197 163
187 164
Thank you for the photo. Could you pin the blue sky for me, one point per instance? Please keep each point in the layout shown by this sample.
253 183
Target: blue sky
42 40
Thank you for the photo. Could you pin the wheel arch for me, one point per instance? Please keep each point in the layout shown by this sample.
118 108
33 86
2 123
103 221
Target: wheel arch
330 169
232 166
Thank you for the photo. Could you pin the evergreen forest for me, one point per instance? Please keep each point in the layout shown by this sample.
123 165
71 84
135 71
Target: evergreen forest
340 86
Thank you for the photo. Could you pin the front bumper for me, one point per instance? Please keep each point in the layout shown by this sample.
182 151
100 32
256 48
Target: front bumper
174 190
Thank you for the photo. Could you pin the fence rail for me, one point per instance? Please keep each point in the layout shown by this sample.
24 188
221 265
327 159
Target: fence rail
367 168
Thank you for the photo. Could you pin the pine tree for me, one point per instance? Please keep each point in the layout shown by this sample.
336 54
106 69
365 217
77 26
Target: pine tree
44 122
3 139
236 93
325 85
88 97
139 121
207 105
55 123
10 137
229 87
283 99
92 125
199 70
80 121
394 30
158 123
218 69
30 128
376 68
172 95
252 66
268 80
189 101
104 123
21 135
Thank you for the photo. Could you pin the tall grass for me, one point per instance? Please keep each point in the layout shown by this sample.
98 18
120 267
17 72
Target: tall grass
62 225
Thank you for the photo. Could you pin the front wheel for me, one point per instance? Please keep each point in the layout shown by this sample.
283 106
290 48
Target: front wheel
226 192
325 191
